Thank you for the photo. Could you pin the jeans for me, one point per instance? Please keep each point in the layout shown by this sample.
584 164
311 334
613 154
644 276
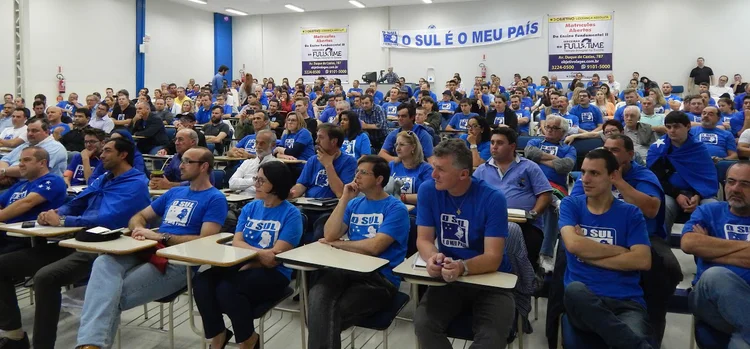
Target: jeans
339 300
659 283
673 211
52 268
620 323
550 217
235 293
492 316
721 299
120 283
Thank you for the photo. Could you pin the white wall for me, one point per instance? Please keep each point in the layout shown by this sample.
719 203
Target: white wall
269 45
660 39
7 62
93 40
182 44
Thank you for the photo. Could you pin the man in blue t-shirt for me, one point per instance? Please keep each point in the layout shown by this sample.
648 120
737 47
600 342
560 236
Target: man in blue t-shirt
522 115
217 83
589 116
354 91
694 106
186 213
717 235
446 107
325 174
631 98
555 158
720 143
459 121
606 246
469 219
392 104
82 165
406 120
203 112
377 225
245 148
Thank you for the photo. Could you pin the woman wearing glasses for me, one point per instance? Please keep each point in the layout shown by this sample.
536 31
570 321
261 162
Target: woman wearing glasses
478 139
268 225
356 142
296 141
409 170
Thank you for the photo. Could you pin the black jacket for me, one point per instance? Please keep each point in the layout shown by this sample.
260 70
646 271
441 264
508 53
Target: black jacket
153 133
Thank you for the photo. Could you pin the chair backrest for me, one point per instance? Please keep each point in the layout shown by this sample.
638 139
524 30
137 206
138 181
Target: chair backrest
218 177
583 146
523 140
722 167
678 89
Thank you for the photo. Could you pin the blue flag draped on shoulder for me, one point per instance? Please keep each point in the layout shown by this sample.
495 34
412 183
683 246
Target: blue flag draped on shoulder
478 35
691 162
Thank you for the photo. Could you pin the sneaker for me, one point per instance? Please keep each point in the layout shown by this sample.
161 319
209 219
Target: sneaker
7 343
547 263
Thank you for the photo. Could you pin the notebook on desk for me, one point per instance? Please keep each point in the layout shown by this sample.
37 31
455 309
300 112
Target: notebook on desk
316 202
514 212
419 263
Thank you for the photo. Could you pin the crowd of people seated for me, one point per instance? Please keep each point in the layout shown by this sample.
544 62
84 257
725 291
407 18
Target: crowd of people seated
459 161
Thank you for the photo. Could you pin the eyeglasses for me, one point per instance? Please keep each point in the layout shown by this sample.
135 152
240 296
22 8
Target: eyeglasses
364 173
473 126
188 161
606 132
90 142
259 181
552 128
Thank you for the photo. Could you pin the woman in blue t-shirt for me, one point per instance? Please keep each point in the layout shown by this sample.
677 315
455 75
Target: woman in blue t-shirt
296 141
268 225
478 139
661 106
409 169
356 143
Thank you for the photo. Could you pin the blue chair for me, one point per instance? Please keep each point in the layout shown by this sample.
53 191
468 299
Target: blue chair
709 338
678 304
678 89
523 140
721 169
583 146
218 177
382 320
575 338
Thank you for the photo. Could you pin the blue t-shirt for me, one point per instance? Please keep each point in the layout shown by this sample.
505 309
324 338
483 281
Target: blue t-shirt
315 178
377 97
622 94
523 113
67 107
351 99
719 222
665 109
61 125
483 213
76 166
326 115
447 106
425 140
589 117
262 227
303 136
527 103
717 141
619 113
483 147
203 116
622 225
184 211
736 123
573 120
411 178
543 113
389 216
693 117
357 147
390 109
672 97
460 120
561 151
247 143
52 188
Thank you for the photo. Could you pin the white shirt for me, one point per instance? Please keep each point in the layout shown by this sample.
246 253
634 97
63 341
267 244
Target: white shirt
11 133
105 124
745 137
244 178
614 87
717 91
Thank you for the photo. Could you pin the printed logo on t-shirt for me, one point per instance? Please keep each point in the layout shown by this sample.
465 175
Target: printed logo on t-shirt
727 119
454 232
349 147
445 106
179 212
737 232
79 173
407 184
519 114
289 143
366 225
549 149
462 123
709 138
587 117
269 231
321 179
17 196
391 110
120 116
602 235
250 146
9 136
499 120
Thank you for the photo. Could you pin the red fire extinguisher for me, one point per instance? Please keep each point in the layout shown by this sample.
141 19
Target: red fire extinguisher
483 70
60 83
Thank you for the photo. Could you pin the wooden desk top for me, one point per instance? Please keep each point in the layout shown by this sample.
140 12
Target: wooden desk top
208 250
39 230
227 158
76 189
420 276
410 207
157 192
233 198
120 246
323 256
139 137
157 157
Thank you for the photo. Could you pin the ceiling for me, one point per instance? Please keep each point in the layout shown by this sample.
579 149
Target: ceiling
262 7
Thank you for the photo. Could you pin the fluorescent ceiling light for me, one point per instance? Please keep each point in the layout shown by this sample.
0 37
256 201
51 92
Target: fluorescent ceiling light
427 1
294 8
202 2
357 3
235 12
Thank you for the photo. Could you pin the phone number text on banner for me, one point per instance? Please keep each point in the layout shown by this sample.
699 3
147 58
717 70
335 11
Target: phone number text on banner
478 35
580 44
325 52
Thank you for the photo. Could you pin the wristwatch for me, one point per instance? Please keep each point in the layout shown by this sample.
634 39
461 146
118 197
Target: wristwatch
473 146
2 172
532 214
165 239
62 221
466 268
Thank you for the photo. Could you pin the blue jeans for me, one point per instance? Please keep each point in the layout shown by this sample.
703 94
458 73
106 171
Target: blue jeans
120 283
550 232
620 323
721 299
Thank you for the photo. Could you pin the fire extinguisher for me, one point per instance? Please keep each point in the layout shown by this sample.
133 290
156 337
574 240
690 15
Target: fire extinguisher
483 70
60 83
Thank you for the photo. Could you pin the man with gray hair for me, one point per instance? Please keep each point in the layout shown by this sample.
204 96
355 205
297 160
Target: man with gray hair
650 117
184 140
245 148
470 218
641 134
244 178
148 129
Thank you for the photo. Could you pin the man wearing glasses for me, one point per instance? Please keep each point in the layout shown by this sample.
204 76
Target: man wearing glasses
83 164
377 225
119 283
184 140
407 122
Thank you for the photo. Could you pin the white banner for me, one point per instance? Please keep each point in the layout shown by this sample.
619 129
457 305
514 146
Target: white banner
580 44
478 35
325 52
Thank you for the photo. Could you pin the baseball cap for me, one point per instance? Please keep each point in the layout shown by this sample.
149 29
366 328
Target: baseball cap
188 117
447 92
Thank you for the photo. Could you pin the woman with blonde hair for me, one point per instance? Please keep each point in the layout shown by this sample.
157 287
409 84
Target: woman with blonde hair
296 141
409 169
246 88
661 106
574 98
607 108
